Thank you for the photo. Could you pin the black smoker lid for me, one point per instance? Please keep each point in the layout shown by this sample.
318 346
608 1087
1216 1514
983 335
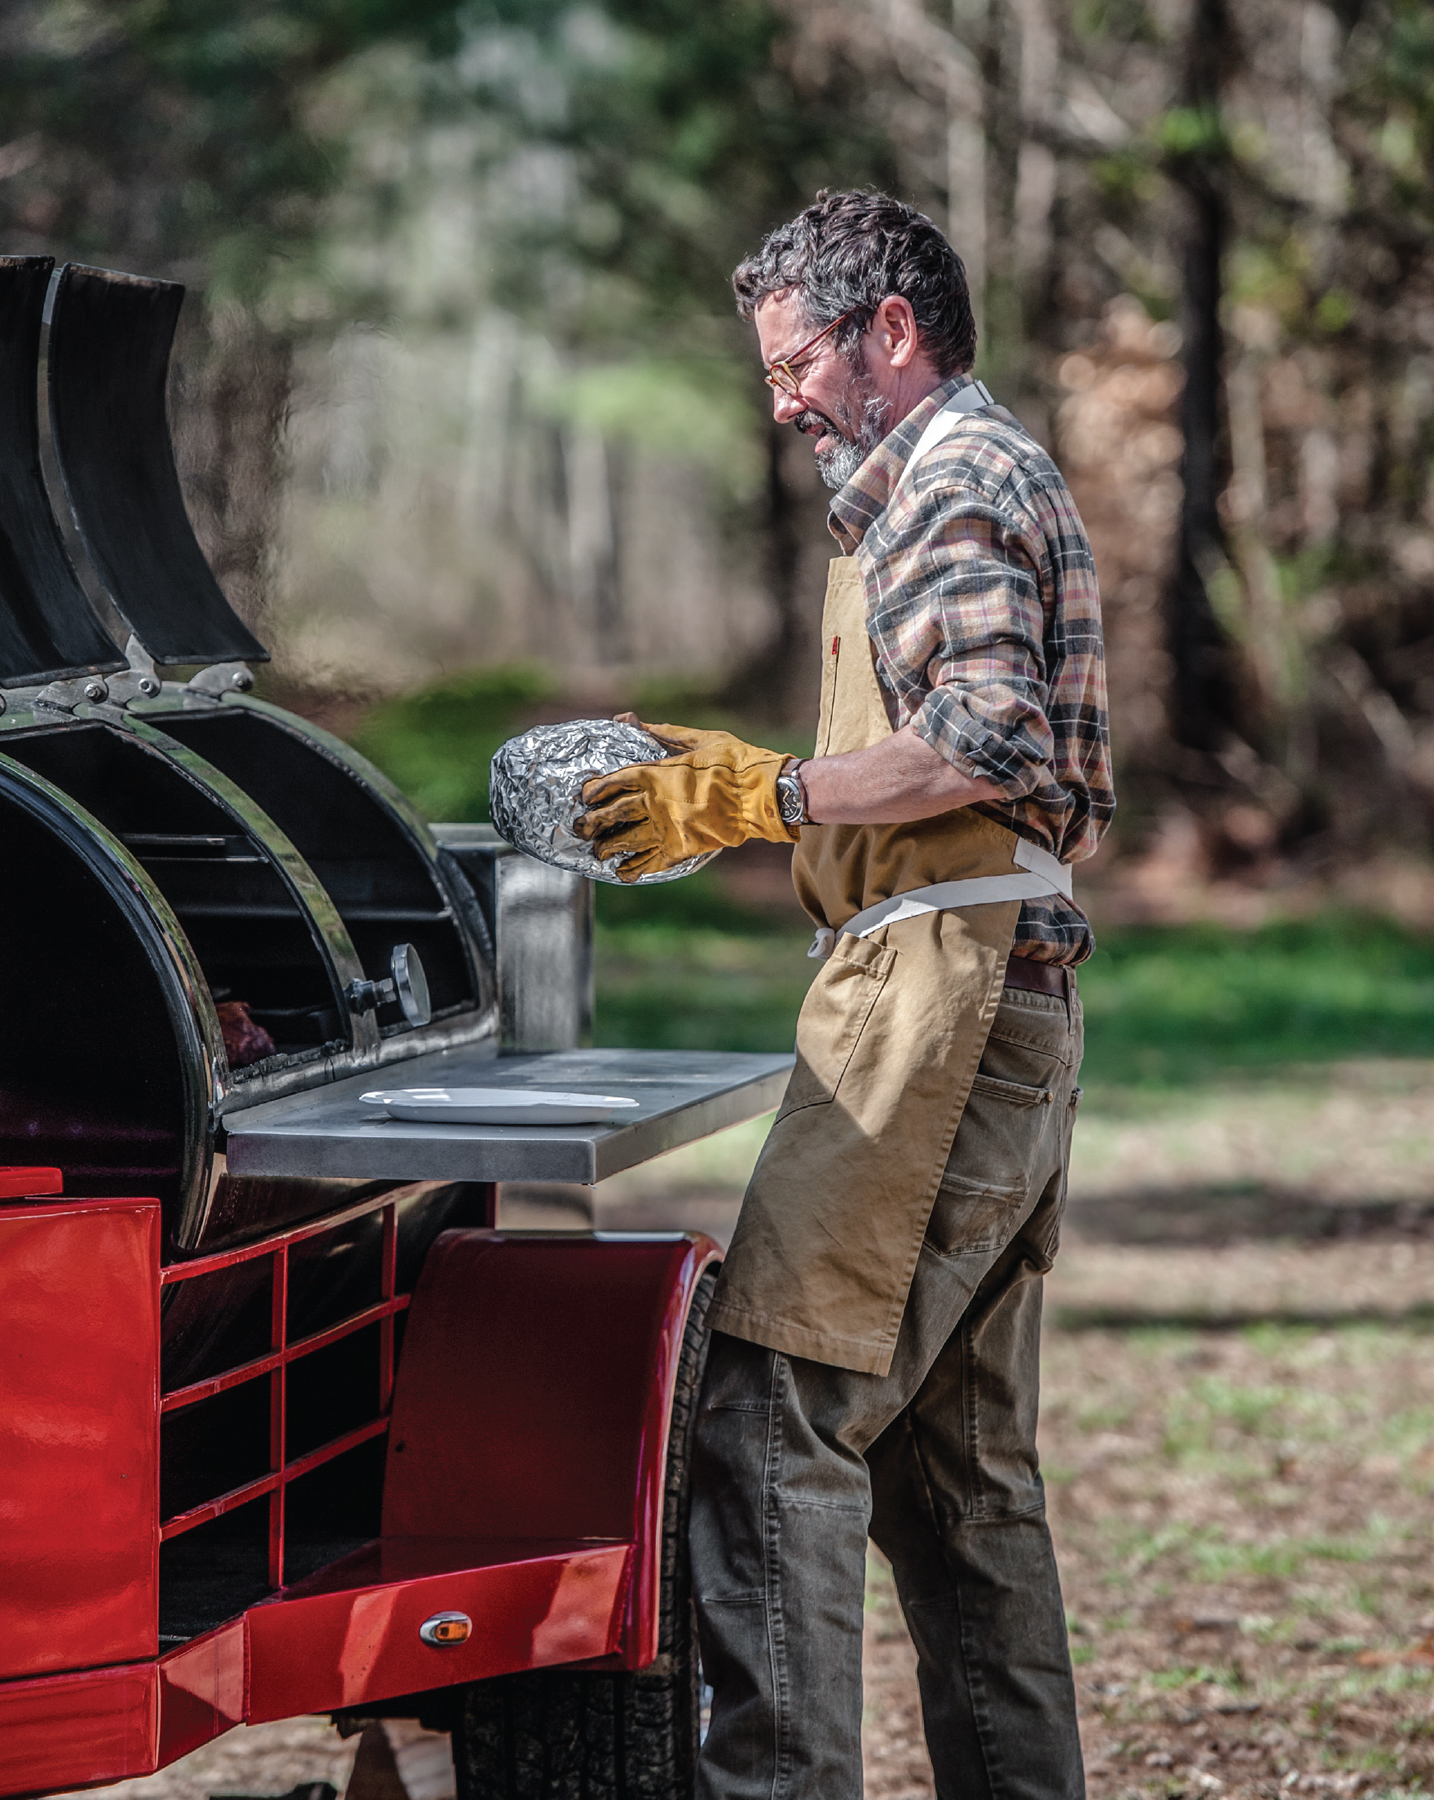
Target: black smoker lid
110 339
48 629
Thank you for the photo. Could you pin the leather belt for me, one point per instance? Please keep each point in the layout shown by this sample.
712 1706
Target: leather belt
1039 977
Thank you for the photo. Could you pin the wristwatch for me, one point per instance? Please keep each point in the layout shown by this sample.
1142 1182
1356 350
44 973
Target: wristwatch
791 801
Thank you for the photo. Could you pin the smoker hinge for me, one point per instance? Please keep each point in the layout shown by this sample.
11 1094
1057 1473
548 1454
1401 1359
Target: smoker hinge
139 681
65 696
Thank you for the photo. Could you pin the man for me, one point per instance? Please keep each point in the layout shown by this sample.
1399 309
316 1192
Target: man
874 1358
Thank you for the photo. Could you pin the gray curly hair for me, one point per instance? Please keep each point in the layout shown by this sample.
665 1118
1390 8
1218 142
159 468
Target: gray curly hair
846 253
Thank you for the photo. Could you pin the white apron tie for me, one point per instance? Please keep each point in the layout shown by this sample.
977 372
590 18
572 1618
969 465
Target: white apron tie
1043 875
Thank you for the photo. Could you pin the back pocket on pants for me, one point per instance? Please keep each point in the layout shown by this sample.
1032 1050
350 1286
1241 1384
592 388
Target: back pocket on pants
989 1173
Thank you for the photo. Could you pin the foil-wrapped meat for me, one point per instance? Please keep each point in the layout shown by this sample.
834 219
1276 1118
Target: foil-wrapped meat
536 792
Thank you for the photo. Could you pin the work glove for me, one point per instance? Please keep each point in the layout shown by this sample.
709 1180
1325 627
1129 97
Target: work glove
714 793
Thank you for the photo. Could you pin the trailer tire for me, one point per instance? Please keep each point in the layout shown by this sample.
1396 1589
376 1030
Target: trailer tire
564 1734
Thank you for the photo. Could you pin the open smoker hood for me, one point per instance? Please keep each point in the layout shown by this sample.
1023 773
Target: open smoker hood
178 844
110 337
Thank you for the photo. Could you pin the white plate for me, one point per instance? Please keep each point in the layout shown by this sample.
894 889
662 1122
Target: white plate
496 1106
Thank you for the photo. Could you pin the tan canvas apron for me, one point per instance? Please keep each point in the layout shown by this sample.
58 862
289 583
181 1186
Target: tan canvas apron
888 1043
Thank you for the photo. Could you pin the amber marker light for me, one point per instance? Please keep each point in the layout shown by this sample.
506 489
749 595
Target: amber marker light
446 1628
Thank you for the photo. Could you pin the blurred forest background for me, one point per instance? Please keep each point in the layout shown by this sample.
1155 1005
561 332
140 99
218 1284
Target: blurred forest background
461 386
473 437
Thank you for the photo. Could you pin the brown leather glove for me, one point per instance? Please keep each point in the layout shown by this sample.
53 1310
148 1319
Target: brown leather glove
716 793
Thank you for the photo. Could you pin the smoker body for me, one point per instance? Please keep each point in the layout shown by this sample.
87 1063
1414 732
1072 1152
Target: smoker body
281 1406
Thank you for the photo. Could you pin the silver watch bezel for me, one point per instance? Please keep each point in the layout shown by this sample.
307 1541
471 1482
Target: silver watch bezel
791 804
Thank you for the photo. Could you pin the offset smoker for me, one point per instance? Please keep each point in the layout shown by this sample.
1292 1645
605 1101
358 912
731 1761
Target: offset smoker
278 1397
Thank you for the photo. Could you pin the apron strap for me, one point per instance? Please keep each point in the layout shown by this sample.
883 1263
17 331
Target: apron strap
971 398
1042 874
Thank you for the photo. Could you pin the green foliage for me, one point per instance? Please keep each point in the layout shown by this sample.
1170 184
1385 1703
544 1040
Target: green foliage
1125 21
1126 179
688 134
1333 311
177 129
662 986
1166 1006
665 698
1193 131
1408 70
683 967
696 408
437 743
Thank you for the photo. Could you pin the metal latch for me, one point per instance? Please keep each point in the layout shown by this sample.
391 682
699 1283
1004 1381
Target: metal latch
408 985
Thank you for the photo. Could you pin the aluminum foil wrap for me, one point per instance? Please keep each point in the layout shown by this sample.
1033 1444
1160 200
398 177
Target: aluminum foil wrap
536 791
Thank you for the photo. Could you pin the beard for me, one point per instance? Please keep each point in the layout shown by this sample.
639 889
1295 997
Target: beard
859 420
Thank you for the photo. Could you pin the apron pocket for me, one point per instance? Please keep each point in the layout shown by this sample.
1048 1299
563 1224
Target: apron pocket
833 1017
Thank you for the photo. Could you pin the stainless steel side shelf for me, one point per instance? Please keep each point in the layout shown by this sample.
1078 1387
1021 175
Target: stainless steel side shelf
685 1095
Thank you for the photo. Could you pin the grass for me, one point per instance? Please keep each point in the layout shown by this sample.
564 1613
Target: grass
681 967
1222 1622
1238 1643
1166 1008
438 741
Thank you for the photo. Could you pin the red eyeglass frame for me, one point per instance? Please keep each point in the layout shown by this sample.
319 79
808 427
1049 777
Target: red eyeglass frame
792 384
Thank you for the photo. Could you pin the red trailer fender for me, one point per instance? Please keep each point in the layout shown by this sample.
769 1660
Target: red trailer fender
523 1495
534 1394
524 1482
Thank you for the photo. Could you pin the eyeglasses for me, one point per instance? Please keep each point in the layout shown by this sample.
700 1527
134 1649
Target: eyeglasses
782 375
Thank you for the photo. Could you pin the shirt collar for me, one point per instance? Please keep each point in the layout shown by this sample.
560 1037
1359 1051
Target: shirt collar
865 496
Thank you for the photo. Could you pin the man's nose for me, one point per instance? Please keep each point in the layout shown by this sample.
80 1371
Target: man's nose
785 406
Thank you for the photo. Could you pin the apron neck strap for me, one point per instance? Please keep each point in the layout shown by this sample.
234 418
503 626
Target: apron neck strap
971 398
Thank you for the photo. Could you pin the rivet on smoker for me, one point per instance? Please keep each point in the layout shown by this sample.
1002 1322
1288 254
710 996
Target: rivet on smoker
96 691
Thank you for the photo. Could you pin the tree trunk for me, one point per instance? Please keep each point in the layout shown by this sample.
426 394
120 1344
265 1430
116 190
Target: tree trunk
1202 686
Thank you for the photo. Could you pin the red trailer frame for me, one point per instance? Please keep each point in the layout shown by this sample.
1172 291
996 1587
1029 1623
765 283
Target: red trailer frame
526 1424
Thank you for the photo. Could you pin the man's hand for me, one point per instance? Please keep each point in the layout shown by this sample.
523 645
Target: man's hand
715 793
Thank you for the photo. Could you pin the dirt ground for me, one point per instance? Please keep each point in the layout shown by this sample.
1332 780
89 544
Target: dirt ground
1238 1444
1237 1437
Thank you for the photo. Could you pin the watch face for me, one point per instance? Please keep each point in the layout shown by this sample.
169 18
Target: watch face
789 799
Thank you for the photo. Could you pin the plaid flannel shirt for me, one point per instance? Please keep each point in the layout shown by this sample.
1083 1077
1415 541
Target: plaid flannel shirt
984 614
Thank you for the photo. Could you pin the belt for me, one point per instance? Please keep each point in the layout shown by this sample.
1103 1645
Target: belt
1039 977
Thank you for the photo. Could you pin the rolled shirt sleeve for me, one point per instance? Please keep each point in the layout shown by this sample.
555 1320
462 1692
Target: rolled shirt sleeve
959 633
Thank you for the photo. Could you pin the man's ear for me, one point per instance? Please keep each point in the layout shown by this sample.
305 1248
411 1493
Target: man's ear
894 329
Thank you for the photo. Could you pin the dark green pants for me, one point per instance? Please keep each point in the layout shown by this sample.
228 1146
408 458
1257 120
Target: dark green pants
798 1462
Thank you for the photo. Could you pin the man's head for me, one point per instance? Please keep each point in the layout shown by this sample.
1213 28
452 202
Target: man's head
894 293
